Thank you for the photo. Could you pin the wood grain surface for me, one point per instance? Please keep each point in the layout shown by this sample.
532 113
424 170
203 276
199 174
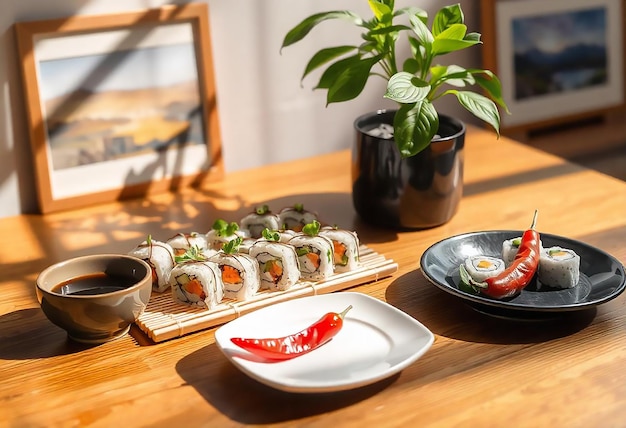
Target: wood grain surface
481 370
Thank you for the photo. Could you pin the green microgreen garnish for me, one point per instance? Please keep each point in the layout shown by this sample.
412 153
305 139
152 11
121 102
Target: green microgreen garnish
270 235
298 207
262 210
193 253
232 246
311 229
223 228
516 242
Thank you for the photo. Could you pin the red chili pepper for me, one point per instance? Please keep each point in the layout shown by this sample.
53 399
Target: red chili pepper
517 276
294 345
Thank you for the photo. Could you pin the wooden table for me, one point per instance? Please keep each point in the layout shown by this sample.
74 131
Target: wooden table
481 371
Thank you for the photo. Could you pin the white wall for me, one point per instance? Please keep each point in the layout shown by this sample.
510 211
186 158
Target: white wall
265 114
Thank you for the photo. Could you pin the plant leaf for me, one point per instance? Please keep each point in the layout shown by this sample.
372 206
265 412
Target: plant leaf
380 9
415 125
481 107
490 83
326 55
421 14
346 78
405 88
454 75
424 36
446 17
445 46
300 31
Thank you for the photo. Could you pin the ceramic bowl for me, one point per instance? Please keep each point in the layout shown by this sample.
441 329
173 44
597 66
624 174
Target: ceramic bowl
103 316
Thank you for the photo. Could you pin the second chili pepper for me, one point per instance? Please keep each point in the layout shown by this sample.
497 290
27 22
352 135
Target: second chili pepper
294 345
521 271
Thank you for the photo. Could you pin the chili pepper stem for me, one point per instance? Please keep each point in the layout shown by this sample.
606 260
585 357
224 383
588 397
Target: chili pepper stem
345 311
532 226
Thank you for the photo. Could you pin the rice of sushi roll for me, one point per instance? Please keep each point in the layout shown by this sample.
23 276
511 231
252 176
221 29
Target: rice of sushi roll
285 235
181 242
239 272
160 256
345 248
558 268
480 268
315 253
221 233
246 244
260 219
197 283
278 262
296 217
510 248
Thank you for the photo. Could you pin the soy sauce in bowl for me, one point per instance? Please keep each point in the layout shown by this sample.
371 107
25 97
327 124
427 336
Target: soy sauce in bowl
92 284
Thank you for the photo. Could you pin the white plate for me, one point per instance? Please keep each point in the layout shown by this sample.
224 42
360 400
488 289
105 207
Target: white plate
377 340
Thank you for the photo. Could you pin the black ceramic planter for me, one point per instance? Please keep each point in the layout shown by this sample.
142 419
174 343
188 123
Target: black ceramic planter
418 192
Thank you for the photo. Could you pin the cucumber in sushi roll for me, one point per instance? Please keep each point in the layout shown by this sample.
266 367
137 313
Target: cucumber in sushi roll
315 253
160 256
296 217
197 283
345 248
278 262
239 272
510 248
261 218
558 268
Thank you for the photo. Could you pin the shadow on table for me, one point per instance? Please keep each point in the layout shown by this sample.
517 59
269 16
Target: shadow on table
247 401
449 316
20 329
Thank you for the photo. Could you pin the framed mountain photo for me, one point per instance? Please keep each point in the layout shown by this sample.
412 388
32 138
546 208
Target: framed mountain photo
120 105
558 60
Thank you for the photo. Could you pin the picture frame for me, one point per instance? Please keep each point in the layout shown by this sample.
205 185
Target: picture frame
559 61
120 105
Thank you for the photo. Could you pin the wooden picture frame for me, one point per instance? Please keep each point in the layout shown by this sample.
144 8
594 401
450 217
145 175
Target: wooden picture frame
532 46
121 105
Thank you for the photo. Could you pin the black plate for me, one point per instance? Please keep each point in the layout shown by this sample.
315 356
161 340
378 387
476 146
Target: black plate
602 276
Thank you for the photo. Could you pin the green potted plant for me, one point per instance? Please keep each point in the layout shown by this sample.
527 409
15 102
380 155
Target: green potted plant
411 183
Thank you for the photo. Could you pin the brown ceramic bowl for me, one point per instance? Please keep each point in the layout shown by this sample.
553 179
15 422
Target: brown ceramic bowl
106 294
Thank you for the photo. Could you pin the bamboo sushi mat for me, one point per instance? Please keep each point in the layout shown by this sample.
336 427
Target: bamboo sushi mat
165 319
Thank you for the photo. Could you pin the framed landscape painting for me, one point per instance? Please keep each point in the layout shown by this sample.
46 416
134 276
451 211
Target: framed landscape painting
120 105
558 60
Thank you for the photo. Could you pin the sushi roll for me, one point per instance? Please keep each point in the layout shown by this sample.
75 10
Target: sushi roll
246 244
345 248
315 253
295 217
260 219
239 272
197 283
160 256
221 233
558 268
285 235
181 242
278 262
510 248
480 268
